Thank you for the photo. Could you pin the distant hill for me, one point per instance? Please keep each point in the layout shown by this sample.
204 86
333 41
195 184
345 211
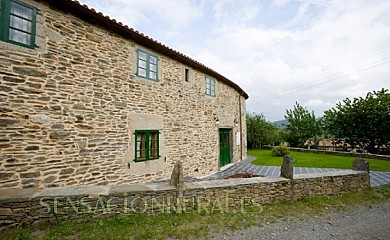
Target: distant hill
281 123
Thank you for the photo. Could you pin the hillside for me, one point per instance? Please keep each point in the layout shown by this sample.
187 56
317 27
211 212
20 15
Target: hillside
281 123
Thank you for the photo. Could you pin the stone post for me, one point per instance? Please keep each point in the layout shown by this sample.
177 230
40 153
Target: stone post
177 178
287 169
360 164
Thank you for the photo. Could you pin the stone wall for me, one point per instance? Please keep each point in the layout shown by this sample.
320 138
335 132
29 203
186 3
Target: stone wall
348 154
69 109
33 206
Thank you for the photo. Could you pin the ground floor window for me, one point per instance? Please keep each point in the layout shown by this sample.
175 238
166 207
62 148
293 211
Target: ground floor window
146 145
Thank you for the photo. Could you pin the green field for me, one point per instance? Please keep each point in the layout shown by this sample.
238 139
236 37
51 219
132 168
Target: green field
318 160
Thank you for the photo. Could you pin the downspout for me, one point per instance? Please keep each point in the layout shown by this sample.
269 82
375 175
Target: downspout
239 106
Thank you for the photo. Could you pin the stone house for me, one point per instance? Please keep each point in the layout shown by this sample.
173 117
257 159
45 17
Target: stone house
86 100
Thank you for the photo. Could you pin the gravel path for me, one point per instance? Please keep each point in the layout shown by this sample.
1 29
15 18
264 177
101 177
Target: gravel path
360 222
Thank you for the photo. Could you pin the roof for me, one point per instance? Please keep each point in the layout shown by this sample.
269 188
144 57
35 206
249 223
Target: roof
90 15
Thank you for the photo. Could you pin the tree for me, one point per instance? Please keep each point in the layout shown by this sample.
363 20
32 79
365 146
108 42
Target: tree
302 125
260 131
362 122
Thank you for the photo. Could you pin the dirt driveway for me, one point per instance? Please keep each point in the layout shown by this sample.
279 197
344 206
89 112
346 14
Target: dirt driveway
360 222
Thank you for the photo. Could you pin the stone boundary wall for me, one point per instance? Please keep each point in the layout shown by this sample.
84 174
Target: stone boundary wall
36 206
339 153
349 154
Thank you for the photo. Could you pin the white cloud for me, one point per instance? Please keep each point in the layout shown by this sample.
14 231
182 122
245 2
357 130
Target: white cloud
351 73
175 13
280 3
317 103
231 12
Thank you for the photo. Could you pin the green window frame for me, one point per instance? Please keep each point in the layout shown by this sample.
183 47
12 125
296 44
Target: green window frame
210 86
147 65
147 145
17 23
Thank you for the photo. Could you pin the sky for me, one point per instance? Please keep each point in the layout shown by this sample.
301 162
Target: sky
314 52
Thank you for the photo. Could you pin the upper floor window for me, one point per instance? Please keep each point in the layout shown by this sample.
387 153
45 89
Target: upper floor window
146 145
147 65
17 23
210 86
186 74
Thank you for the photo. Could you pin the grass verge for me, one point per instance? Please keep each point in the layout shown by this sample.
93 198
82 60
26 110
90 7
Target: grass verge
317 160
196 225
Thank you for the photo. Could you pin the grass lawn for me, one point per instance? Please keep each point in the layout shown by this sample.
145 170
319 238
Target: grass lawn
319 160
196 225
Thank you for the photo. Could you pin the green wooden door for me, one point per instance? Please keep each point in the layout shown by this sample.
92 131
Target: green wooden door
224 147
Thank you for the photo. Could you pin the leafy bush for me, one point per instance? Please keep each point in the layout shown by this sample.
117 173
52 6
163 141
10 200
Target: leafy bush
280 151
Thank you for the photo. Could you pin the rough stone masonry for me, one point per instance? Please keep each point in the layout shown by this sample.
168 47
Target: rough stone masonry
70 106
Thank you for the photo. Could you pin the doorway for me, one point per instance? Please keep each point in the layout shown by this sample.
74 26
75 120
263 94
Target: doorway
224 146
